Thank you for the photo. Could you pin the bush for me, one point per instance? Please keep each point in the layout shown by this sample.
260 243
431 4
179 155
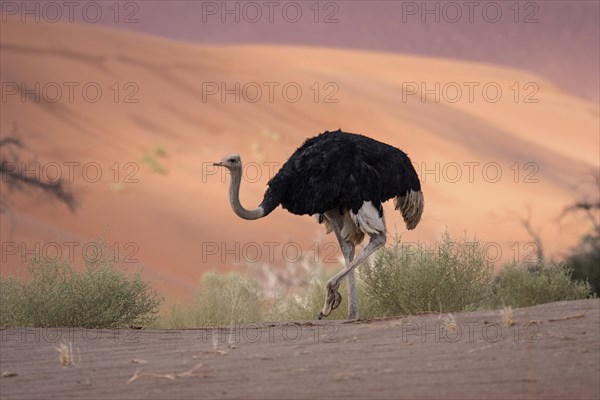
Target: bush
406 279
402 279
585 261
100 296
517 286
221 300
236 299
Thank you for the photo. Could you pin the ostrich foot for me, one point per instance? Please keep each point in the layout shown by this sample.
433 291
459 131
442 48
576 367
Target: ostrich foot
332 301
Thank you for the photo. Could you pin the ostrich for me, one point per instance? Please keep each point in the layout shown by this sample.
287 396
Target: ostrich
343 179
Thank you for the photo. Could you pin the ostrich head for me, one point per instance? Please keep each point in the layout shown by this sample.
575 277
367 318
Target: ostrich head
231 162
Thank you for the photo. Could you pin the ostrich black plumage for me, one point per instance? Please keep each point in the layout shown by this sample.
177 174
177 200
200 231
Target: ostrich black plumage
343 178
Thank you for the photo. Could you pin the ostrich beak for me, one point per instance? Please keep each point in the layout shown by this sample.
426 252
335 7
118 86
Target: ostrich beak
218 164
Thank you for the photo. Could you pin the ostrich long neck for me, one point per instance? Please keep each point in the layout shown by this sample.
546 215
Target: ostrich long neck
234 198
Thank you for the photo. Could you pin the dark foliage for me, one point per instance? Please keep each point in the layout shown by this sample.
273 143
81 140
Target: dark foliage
13 174
585 261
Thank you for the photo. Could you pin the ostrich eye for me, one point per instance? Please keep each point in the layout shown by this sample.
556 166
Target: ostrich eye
231 160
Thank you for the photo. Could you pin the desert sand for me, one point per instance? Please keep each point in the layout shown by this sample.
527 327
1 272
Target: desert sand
550 352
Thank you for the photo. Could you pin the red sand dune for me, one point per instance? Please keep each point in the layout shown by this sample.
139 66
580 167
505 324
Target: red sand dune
171 218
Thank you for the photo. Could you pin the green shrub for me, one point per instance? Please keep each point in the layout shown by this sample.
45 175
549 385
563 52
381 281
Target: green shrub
221 300
408 279
56 295
401 279
585 261
154 165
159 151
518 286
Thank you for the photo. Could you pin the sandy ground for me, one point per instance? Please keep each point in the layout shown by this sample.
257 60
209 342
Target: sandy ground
551 351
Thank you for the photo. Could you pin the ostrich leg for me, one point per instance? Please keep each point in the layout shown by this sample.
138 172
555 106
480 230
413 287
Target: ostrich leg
352 293
377 241
348 251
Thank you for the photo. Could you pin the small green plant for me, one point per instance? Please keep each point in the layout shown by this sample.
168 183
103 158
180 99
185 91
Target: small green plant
408 279
518 286
221 300
117 187
56 295
159 151
154 165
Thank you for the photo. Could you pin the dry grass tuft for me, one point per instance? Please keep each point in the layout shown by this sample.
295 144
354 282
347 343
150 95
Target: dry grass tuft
220 300
216 348
65 355
450 324
507 316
